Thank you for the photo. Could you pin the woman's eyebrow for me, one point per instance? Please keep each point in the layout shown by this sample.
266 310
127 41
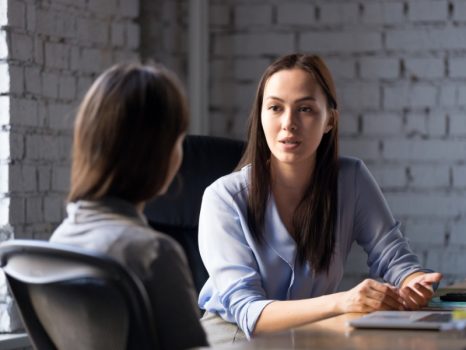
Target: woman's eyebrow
305 98
301 99
274 98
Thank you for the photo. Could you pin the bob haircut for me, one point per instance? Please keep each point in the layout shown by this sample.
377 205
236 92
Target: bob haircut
314 219
125 131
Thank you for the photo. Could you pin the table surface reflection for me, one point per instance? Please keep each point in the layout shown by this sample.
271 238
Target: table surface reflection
335 333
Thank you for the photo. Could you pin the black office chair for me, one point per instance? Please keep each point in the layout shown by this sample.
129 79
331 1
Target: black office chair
206 158
69 298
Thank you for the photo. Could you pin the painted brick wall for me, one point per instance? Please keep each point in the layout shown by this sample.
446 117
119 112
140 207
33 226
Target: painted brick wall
55 50
400 70
4 118
164 34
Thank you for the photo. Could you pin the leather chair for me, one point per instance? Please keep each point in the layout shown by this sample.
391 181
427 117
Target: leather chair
206 158
70 299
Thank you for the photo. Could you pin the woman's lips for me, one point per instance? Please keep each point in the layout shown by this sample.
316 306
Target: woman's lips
289 144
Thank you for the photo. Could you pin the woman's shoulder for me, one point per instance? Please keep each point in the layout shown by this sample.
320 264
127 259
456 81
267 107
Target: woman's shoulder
145 237
351 166
347 163
232 184
144 247
352 170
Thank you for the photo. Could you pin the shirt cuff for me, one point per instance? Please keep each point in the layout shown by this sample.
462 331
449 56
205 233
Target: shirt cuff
254 311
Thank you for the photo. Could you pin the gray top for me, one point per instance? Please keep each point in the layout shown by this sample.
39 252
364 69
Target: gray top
114 227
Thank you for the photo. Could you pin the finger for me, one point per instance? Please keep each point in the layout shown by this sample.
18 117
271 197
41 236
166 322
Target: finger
425 290
377 304
391 292
408 301
392 301
380 296
413 299
387 297
384 288
420 294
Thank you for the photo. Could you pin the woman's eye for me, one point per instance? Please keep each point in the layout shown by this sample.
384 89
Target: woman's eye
306 109
274 108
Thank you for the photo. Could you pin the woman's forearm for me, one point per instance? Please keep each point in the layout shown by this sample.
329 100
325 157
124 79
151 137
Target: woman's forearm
281 315
367 296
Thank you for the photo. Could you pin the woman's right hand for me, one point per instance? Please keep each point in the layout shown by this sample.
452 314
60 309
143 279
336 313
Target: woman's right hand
370 295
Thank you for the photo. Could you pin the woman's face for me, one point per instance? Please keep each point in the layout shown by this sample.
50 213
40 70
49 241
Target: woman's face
175 162
294 117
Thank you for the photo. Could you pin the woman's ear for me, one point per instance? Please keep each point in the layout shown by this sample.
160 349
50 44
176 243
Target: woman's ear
332 120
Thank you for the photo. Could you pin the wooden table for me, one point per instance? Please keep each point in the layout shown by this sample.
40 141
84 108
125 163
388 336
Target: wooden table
334 333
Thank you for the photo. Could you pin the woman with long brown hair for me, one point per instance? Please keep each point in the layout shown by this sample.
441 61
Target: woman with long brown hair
275 235
127 148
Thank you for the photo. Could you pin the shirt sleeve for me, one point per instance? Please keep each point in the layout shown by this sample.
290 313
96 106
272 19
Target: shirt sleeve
227 254
389 254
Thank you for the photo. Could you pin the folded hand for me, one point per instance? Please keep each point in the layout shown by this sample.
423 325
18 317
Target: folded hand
370 295
417 292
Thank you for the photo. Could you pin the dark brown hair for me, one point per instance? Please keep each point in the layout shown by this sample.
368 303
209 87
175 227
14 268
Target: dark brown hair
314 219
125 130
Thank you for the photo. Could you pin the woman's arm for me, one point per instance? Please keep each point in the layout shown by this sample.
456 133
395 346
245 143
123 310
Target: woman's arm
235 284
367 296
389 255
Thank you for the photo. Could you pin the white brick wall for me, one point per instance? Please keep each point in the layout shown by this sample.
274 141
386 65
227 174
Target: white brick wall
4 118
338 13
399 67
459 13
253 15
55 50
382 12
164 38
379 68
5 81
457 68
253 44
424 68
428 10
330 42
382 124
295 13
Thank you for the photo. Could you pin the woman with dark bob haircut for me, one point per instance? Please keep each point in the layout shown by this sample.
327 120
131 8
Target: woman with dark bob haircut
127 148
275 235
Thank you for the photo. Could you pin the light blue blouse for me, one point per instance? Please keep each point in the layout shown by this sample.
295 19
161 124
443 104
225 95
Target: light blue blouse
246 276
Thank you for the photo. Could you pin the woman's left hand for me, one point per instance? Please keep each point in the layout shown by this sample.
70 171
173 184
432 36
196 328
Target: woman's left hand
417 289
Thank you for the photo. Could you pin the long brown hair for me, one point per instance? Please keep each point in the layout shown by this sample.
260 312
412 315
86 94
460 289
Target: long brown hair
314 219
125 130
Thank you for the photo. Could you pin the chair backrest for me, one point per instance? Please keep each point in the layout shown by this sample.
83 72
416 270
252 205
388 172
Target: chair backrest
69 298
206 158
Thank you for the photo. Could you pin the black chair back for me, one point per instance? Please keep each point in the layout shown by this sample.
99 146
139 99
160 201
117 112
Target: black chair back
206 158
69 298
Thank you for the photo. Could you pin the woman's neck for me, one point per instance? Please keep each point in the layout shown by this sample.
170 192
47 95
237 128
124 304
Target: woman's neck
291 178
289 182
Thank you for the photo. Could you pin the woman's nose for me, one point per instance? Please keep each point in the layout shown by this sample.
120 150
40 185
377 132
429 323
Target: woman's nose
289 120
